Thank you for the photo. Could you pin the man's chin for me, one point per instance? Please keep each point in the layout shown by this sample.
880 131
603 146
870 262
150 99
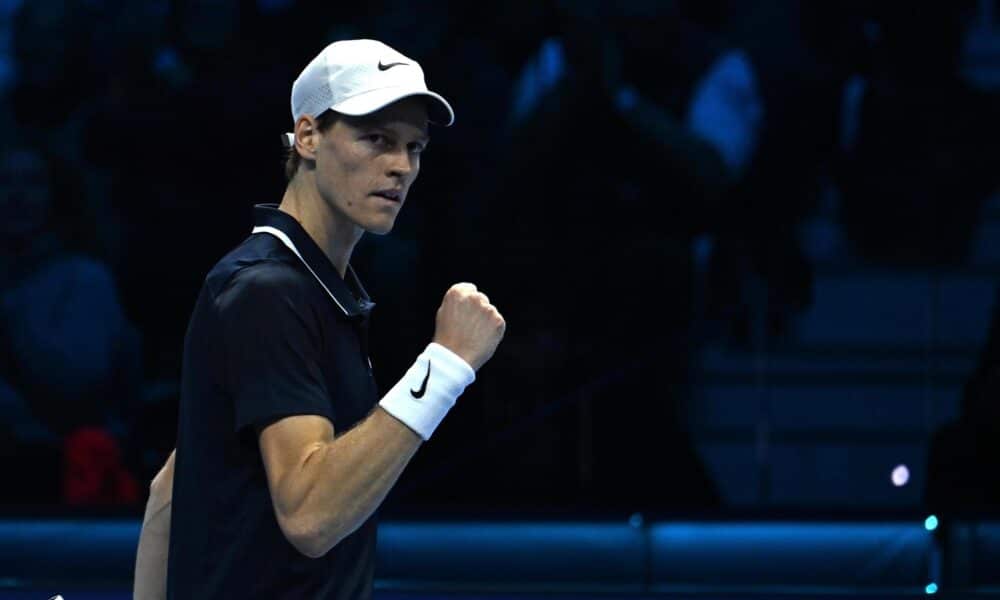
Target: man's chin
380 228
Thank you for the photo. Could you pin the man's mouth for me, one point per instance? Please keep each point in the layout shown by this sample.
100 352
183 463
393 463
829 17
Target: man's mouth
393 195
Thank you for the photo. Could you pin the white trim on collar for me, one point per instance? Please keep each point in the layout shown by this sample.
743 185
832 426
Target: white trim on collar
288 242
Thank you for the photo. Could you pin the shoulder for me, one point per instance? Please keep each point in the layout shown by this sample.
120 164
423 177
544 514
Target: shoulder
258 266
275 282
268 303
268 274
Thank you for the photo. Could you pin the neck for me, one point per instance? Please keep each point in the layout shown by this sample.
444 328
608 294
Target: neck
331 231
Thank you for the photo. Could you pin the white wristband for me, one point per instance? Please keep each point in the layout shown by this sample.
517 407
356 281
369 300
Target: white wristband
428 389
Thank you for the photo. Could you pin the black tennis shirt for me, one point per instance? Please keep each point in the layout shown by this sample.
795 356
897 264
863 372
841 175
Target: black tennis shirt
267 339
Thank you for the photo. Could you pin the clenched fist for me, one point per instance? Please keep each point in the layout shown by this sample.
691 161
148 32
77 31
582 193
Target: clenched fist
468 325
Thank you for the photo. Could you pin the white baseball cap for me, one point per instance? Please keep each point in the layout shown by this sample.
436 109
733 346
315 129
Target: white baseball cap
358 77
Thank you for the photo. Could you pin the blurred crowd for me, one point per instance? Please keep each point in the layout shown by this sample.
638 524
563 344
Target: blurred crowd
597 146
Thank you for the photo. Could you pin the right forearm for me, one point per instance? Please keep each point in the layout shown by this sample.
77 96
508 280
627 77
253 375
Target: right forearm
342 482
339 481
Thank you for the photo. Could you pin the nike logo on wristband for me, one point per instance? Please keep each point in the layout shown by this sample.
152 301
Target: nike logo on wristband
382 67
423 386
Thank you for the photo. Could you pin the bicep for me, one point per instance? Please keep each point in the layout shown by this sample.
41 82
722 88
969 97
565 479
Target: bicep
286 445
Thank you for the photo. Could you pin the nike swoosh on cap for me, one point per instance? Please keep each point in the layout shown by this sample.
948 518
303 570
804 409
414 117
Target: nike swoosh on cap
382 67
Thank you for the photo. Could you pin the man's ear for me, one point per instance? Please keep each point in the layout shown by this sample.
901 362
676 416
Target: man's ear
307 136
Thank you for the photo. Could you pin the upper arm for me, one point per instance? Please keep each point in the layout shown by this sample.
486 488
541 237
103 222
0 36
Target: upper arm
272 344
285 447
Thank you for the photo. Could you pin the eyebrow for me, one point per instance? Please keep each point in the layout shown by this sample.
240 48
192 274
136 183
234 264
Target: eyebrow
424 137
387 126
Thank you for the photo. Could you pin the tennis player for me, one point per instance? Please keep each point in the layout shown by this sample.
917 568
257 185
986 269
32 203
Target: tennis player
284 448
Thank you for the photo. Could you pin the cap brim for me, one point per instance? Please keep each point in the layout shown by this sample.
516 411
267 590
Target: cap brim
439 111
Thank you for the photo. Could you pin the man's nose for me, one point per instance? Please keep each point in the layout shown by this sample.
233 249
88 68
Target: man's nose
402 164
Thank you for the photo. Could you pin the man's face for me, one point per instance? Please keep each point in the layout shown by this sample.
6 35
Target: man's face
365 165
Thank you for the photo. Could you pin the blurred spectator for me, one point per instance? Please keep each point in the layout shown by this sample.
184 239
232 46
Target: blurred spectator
56 78
923 158
53 75
801 54
70 358
596 140
964 456
980 54
612 168
94 471
8 66
182 130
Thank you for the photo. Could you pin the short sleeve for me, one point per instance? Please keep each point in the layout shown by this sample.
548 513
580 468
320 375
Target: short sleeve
272 343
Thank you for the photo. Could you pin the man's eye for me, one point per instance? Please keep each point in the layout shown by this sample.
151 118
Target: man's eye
417 148
376 138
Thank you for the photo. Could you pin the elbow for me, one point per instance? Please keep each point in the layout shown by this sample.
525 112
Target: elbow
311 545
309 537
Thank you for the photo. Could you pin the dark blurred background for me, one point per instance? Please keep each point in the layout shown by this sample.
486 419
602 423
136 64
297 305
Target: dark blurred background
747 251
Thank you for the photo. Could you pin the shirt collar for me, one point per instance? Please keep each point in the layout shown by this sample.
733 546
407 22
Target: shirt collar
353 304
